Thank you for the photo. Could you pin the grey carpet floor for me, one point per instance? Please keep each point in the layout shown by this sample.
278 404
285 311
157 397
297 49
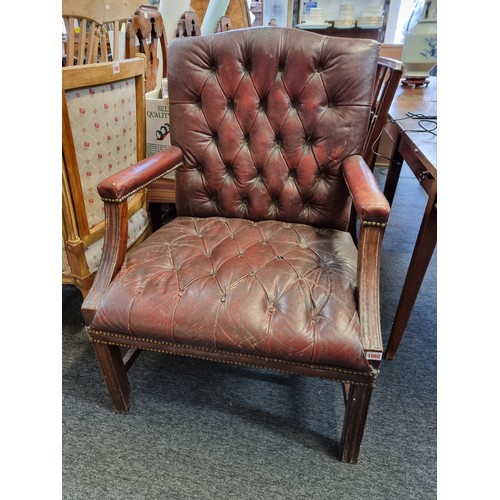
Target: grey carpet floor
201 430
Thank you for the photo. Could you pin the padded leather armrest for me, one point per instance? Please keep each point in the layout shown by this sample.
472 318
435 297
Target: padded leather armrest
370 203
121 185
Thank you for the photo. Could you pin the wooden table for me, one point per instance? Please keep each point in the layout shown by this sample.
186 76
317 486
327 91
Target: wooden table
419 151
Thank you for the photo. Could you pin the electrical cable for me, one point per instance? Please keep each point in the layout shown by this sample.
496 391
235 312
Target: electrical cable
423 120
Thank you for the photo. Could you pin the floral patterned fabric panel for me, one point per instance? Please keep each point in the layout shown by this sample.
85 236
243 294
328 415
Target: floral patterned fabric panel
137 224
103 123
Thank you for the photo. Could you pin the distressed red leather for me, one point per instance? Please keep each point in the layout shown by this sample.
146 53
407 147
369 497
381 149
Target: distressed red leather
140 174
258 268
271 289
264 128
371 205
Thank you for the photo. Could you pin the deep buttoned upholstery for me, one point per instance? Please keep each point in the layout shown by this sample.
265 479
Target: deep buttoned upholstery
264 123
269 289
268 125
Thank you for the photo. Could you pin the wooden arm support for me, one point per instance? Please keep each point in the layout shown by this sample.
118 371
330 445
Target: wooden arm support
368 281
373 210
114 191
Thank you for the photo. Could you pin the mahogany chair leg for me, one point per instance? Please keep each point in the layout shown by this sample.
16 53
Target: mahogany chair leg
115 375
155 212
357 402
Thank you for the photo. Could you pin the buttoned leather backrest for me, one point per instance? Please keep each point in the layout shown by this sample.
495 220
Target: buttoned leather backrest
264 117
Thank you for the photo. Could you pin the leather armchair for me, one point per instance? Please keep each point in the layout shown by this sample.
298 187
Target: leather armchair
268 127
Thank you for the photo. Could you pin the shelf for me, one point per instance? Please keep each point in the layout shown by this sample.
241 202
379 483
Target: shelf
374 34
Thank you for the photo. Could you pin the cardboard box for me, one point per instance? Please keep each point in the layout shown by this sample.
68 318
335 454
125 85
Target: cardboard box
157 139
157 122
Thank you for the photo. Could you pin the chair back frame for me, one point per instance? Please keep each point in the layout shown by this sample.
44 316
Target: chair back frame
116 17
78 234
146 27
389 72
189 25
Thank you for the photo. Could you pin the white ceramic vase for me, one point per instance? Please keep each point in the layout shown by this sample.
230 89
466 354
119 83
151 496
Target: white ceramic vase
420 45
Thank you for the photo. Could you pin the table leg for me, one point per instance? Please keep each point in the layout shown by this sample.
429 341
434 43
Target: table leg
422 254
393 174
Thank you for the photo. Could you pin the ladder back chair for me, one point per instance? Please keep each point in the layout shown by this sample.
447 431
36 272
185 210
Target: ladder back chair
258 268
116 16
85 40
389 72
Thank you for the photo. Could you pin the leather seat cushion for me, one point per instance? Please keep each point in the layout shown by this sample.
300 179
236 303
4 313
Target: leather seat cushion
272 289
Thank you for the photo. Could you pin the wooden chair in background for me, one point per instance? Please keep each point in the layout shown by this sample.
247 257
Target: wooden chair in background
224 24
237 11
116 16
84 41
189 25
146 34
98 26
389 72
103 131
